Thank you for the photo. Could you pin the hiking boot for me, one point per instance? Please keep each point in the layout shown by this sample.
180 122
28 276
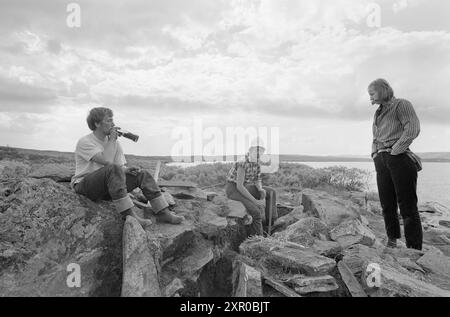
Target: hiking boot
133 213
168 216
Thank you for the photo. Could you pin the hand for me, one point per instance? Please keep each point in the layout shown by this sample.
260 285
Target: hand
374 155
113 135
133 170
262 194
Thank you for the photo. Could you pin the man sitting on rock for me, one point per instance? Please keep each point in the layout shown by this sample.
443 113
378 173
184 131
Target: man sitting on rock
101 172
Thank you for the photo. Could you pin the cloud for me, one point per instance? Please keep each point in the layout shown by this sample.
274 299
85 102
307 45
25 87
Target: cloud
274 59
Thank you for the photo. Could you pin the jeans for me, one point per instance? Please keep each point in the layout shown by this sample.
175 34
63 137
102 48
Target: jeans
255 228
111 182
397 185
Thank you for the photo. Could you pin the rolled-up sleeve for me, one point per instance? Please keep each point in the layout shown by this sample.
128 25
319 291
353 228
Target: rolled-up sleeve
411 127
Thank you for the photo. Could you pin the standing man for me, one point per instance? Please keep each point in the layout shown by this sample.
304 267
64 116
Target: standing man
395 126
101 173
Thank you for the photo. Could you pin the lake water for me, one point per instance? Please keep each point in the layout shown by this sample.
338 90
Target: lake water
433 182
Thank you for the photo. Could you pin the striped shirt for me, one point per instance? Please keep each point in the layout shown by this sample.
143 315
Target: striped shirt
395 126
252 171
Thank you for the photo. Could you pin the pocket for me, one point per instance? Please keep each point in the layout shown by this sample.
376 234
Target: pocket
415 159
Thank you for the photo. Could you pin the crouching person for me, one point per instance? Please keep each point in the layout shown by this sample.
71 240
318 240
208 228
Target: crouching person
101 174
244 184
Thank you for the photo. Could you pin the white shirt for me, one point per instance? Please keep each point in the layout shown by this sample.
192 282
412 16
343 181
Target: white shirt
87 147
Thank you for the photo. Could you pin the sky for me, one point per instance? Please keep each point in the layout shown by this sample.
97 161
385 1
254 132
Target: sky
297 68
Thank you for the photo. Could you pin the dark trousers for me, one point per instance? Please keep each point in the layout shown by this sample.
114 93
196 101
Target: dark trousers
397 185
111 182
255 228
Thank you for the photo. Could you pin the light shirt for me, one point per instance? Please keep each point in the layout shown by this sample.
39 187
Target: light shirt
87 147
252 171
395 126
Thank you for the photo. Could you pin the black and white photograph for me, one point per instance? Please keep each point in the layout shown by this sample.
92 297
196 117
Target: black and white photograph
225 155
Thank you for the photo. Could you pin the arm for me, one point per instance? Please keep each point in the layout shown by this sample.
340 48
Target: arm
106 157
240 185
411 127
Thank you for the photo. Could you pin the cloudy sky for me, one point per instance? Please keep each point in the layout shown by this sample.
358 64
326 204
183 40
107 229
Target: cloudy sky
302 66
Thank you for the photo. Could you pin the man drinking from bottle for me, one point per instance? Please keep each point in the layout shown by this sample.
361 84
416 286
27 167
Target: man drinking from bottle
101 173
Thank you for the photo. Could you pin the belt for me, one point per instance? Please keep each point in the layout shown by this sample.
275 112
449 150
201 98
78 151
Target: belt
384 150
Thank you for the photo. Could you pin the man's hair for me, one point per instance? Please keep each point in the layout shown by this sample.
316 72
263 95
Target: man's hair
384 89
96 115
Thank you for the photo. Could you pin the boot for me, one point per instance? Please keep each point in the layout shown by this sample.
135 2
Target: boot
168 216
132 212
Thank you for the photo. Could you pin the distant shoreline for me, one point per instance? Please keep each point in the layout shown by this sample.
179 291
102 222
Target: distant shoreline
433 157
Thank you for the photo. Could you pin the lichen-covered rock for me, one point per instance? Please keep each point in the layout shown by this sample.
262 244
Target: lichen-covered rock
44 227
57 172
352 232
331 210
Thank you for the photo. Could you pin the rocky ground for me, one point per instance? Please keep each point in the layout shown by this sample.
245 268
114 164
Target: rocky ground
324 244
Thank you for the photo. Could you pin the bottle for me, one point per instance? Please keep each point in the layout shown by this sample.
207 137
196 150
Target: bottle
127 134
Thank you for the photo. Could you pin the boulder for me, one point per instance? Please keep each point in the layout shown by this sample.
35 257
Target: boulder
283 222
140 276
306 230
352 232
435 262
315 284
350 281
273 253
444 223
57 172
247 280
381 275
331 210
394 283
433 208
44 228
329 249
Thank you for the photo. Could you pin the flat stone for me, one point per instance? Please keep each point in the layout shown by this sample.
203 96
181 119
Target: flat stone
393 283
199 255
326 248
306 230
316 284
433 207
305 262
352 232
248 280
444 223
140 276
436 263
283 222
331 210
410 265
350 281
57 172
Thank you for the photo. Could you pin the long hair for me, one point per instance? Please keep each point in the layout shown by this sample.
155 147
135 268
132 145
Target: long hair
384 89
